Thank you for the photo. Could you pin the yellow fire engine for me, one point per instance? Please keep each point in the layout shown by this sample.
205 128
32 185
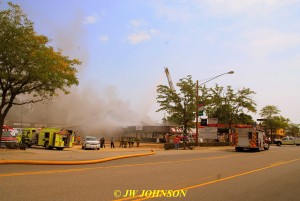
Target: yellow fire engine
48 137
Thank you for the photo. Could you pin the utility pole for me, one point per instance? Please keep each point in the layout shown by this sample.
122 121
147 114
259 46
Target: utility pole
197 117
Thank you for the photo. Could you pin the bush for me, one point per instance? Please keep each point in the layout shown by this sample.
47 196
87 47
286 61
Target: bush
168 146
212 144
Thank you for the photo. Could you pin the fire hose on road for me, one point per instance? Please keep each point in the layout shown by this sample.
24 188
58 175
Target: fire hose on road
81 162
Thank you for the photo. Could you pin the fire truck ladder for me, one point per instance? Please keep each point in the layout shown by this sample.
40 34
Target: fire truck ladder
169 79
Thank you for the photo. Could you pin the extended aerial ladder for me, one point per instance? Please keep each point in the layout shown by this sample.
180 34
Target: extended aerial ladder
169 79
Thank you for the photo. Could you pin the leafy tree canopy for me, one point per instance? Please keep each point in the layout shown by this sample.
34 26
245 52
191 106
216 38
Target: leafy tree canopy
272 119
227 105
269 111
293 129
28 66
180 106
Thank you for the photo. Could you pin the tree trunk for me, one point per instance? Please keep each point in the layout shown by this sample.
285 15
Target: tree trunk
1 126
185 127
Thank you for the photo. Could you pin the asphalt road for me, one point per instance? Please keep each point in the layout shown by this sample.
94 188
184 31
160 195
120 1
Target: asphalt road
203 174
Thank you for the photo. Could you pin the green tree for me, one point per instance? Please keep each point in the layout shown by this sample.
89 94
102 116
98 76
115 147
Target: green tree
245 119
269 111
179 106
272 120
293 129
227 105
28 66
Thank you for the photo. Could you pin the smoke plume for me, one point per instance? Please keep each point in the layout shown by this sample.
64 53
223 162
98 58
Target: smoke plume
87 109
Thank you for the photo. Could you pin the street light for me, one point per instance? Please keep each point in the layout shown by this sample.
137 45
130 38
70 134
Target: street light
197 104
230 72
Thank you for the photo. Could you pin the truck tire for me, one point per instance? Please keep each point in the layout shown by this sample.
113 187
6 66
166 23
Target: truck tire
46 145
279 143
267 147
238 149
22 146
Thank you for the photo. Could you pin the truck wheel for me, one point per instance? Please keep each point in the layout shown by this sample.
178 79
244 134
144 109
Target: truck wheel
23 146
278 143
238 149
267 147
46 145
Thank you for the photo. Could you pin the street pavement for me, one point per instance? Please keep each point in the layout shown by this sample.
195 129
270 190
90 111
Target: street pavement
206 173
77 154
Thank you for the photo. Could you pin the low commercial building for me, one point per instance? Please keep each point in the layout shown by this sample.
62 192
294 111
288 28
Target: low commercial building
151 133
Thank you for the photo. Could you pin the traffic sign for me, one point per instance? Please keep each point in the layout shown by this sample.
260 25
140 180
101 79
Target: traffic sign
200 113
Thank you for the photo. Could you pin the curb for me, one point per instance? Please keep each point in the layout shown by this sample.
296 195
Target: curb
35 162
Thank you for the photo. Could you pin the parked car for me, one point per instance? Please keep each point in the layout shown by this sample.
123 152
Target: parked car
91 142
8 140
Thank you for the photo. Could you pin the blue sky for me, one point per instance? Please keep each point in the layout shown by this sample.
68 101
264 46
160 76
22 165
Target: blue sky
125 45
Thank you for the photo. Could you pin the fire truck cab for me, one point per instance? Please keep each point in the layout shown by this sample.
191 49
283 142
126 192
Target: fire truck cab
250 138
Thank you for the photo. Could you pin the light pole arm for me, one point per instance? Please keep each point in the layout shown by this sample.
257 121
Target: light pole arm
230 72
197 100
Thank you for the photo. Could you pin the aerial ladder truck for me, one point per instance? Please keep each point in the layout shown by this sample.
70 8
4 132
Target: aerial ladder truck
169 79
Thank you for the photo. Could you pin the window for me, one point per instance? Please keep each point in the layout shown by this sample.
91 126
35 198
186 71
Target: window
6 134
91 139
249 135
47 135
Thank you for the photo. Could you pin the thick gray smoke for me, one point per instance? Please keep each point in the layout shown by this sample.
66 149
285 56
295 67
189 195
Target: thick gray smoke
86 109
